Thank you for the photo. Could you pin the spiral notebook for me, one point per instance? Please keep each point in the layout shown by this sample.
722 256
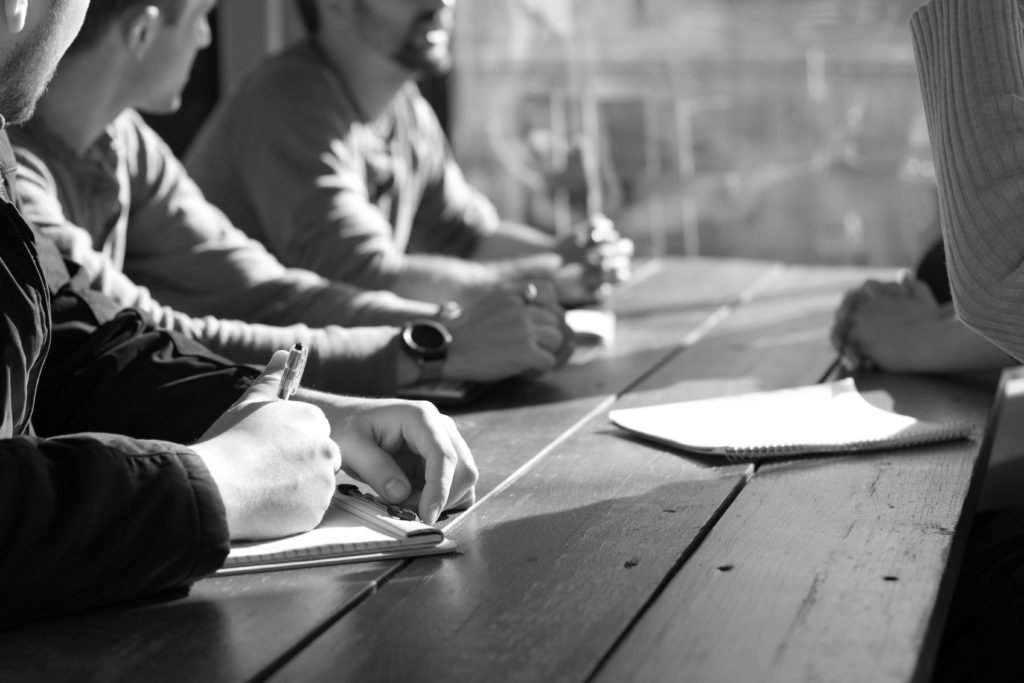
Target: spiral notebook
357 527
823 418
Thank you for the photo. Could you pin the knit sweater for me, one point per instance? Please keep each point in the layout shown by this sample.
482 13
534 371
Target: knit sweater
970 56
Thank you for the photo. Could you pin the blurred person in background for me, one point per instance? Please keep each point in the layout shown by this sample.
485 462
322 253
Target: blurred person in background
329 155
103 185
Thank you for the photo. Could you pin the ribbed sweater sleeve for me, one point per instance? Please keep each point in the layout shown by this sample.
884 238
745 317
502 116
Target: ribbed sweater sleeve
970 57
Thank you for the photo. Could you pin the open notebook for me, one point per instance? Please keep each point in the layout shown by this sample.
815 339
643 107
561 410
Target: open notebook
821 418
357 527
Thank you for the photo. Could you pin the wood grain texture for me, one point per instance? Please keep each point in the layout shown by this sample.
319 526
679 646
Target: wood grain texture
559 564
234 629
554 569
831 569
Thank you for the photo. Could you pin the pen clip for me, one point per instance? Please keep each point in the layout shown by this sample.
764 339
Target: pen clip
390 509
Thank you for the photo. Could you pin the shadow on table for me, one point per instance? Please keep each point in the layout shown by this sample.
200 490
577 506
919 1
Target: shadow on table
605 374
216 630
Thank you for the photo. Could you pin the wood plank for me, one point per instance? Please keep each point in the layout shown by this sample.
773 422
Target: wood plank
824 569
518 420
230 629
553 568
559 563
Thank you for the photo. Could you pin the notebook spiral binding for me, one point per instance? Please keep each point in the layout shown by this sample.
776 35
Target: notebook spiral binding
958 428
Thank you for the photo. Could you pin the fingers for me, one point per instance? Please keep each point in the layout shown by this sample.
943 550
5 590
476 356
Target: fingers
370 463
843 319
546 317
449 471
265 387
15 11
546 296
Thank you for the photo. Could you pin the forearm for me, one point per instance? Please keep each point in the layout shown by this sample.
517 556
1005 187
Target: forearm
953 347
970 60
438 279
92 520
513 240
361 360
296 297
124 377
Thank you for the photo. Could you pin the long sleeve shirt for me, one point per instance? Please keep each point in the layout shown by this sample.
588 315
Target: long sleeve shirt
970 56
147 238
99 499
289 158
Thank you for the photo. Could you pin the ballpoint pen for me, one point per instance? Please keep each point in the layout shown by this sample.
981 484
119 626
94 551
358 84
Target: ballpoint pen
293 368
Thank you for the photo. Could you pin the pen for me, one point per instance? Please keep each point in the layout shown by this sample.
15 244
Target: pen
293 368
392 510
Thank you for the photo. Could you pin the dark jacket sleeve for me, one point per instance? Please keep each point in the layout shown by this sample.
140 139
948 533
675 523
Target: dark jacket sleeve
92 518
114 372
87 520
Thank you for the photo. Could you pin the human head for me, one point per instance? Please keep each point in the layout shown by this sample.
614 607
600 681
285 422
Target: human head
160 38
413 33
34 37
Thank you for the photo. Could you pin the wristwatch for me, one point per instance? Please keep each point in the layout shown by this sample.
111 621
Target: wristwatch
427 342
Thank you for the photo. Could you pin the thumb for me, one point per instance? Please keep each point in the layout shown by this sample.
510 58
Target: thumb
15 12
265 387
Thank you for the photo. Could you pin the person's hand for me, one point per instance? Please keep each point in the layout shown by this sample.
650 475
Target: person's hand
273 461
510 330
594 258
889 325
407 451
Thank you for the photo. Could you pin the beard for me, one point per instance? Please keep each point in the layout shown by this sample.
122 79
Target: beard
422 56
27 68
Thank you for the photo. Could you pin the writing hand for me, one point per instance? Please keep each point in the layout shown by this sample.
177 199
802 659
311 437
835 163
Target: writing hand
273 461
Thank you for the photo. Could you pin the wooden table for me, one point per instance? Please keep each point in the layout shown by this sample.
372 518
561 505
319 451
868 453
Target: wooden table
592 556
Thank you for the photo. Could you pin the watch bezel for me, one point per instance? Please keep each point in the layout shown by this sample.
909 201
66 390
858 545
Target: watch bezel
418 346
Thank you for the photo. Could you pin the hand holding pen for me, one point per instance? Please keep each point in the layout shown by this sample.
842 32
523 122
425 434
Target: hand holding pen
274 461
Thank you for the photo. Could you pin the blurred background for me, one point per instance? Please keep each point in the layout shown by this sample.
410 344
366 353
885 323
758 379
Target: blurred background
778 129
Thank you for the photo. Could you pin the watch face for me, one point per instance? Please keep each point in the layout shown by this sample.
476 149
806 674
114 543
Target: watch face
427 338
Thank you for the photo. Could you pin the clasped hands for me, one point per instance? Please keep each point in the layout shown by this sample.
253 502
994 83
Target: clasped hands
887 325
594 258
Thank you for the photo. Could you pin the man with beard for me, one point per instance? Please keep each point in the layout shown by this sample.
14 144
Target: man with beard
100 501
103 185
329 155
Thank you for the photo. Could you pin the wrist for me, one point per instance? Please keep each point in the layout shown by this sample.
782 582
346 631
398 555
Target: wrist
426 341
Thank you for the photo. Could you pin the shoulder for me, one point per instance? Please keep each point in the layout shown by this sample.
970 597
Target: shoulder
286 84
35 148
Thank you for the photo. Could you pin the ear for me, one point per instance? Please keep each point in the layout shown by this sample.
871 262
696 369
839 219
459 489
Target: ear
140 27
15 12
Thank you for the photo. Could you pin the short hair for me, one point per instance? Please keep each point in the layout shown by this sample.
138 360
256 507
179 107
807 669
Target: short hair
310 15
102 14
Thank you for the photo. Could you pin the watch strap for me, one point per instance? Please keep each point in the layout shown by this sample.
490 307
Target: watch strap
431 370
